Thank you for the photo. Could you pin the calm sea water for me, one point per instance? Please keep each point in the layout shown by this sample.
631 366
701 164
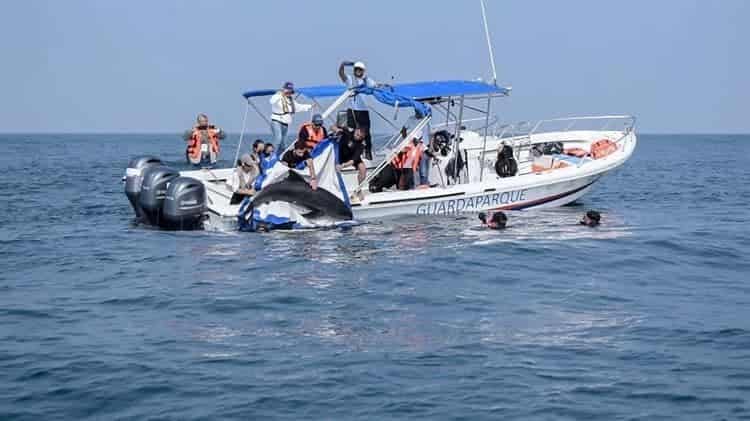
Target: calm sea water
646 317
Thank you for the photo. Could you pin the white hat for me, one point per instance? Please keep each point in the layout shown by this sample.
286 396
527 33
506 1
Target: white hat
360 65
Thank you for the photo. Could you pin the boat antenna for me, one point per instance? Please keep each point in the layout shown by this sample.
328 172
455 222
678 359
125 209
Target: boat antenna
489 43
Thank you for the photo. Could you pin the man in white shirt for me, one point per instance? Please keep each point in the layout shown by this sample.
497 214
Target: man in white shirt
240 183
358 115
283 107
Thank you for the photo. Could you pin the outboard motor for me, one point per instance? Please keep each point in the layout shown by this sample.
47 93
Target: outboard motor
184 206
134 178
154 190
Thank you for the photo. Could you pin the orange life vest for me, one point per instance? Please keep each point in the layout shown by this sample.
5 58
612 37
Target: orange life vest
577 152
602 148
194 145
314 135
409 157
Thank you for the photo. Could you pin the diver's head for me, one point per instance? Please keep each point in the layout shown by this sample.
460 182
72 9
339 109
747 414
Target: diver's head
268 149
591 218
497 220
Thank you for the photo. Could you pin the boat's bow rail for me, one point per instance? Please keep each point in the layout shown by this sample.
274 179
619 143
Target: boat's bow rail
604 123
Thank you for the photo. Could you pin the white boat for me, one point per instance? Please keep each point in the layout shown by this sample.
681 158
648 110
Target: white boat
548 174
559 179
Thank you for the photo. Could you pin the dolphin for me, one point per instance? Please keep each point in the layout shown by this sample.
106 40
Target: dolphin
294 189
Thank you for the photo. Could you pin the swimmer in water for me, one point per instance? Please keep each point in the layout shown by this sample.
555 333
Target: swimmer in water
495 220
591 219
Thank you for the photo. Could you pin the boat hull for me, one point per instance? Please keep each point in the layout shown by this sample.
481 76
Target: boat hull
530 191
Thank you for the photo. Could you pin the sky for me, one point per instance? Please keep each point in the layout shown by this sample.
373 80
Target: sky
679 66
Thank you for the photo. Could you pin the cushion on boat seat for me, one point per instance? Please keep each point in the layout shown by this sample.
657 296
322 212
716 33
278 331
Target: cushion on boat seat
548 163
602 148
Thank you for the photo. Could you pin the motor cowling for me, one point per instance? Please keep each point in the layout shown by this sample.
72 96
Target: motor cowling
184 205
134 179
154 191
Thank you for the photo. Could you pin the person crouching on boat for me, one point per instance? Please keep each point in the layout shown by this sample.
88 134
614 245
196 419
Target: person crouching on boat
358 115
283 108
406 163
297 155
312 132
351 147
240 183
203 142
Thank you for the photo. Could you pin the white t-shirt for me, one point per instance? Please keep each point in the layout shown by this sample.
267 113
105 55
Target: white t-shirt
357 102
283 107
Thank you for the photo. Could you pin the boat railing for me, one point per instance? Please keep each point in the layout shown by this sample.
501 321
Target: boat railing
620 123
469 124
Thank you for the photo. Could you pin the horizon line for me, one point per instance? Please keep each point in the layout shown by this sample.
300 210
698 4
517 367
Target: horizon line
655 133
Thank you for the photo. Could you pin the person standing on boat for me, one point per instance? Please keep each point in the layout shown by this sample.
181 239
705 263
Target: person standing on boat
203 142
283 107
406 163
240 183
358 115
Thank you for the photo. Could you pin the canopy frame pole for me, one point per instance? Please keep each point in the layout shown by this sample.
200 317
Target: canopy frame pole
448 111
329 118
457 139
242 133
383 117
417 129
489 43
331 108
336 104
484 143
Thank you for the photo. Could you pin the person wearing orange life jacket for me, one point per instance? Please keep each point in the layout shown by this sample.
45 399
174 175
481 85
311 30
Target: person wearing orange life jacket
203 142
407 163
312 132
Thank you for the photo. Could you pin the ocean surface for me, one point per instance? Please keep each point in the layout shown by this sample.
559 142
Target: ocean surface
646 317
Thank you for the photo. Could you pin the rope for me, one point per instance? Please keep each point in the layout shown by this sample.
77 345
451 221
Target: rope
242 134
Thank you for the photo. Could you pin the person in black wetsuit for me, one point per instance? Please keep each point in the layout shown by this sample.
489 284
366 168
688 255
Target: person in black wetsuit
351 147
494 220
591 219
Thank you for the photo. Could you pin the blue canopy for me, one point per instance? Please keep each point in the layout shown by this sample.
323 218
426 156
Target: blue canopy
388 96
417 90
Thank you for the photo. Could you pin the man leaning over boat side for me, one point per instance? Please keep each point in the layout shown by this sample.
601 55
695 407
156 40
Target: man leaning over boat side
358 115
240 183
283 108
297 155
